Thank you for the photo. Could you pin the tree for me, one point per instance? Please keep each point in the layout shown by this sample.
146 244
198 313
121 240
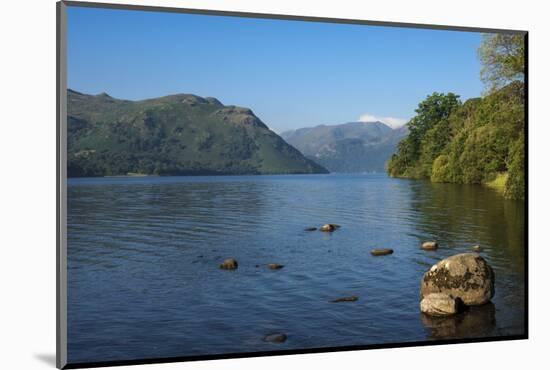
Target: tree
502 59
440 169
415 153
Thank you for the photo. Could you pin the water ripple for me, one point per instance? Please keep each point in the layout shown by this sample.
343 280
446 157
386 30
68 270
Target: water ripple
143 262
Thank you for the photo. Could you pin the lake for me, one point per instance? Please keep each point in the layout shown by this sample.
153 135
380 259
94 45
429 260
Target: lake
143 257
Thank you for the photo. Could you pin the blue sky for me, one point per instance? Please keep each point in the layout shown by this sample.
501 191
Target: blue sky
291 74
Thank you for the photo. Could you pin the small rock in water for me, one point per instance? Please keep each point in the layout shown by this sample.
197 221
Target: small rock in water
229 264
476 248
345 299
310 229
329 227
275 266
275 338
429 246
381 252
439 304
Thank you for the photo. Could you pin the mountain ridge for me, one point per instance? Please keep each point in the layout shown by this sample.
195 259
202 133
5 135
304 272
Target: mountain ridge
348 147
178 134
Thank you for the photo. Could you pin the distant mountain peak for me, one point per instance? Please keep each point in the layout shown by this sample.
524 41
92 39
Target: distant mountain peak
104 95
349 147
239 116
375 123
212 100
392 122
71 91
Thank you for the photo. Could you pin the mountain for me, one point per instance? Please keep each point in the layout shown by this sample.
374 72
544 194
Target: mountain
180 134
349 147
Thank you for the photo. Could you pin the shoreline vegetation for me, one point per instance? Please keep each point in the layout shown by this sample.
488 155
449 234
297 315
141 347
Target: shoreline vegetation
479 141
498 183
131 174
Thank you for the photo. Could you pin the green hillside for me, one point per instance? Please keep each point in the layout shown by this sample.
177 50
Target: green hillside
173 135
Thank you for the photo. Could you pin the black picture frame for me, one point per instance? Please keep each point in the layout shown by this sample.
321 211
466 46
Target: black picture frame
61 176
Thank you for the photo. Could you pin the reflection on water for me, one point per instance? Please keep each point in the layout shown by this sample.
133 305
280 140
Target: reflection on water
476 321
476 212
143 256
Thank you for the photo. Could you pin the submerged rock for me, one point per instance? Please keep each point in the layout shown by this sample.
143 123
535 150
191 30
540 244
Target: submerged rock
381 252
275 338
310 229
430 246
466 276
275 266
229 264
439 304
329 227
345 299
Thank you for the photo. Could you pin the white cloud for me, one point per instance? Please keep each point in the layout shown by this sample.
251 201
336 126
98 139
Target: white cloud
393 122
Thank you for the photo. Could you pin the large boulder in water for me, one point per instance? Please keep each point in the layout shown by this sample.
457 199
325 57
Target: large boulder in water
466 276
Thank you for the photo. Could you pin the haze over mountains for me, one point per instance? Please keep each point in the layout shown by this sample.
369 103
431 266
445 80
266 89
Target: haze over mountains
179 134
349 147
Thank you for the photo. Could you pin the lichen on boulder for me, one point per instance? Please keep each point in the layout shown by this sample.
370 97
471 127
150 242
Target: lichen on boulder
466 276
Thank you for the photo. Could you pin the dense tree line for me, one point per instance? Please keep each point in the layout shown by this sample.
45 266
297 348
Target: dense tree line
475 141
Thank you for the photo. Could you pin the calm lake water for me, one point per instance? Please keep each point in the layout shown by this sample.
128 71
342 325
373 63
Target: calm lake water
143 256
